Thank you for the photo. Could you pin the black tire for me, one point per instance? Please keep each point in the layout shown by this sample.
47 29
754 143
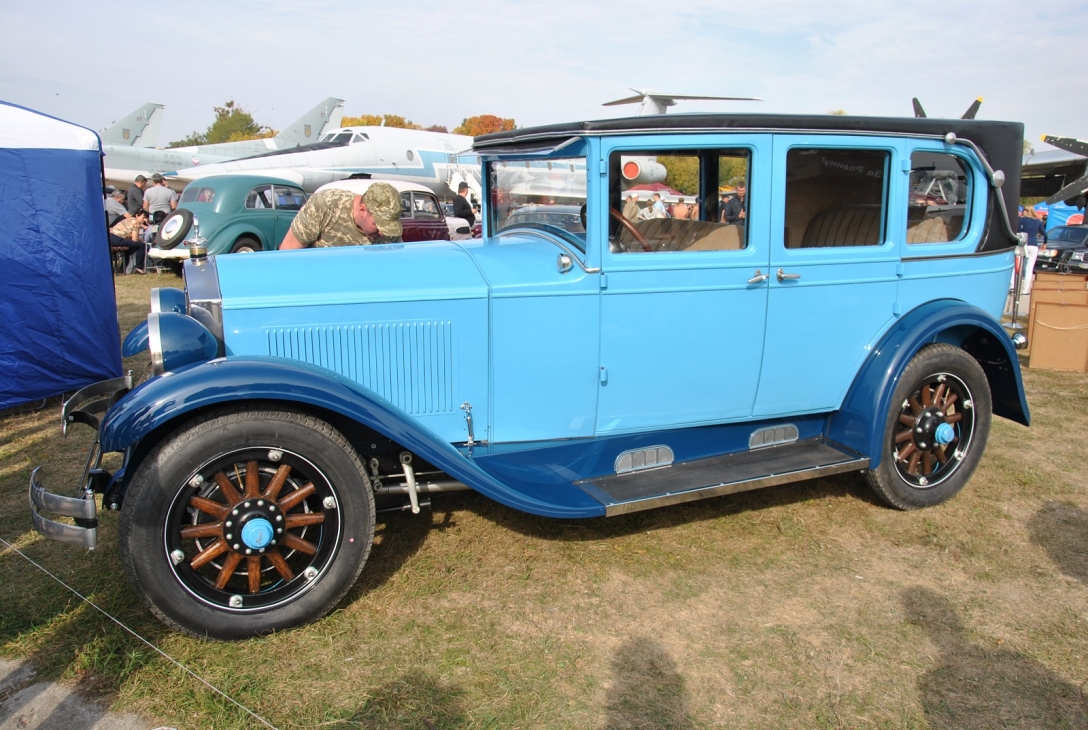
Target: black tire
245 244
177 268
315 541
942 384
174 228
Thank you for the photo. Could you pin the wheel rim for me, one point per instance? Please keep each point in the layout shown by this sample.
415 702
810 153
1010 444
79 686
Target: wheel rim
934 430
253 529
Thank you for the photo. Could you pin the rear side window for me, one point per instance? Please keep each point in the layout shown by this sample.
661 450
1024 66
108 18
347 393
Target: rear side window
835 197
426 206
260 197
937 205
198 195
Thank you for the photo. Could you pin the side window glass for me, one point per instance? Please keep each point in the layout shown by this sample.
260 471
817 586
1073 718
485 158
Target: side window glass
426 206
289 198
835 197
405 205
670 201
189 195
260 197
937 204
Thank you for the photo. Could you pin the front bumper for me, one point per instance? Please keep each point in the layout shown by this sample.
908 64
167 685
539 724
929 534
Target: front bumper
85 406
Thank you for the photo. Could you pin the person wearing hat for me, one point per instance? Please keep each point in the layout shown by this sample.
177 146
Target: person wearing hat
462 208
335 217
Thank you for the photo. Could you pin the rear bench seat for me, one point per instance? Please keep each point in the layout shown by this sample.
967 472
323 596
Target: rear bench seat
859 225
672 234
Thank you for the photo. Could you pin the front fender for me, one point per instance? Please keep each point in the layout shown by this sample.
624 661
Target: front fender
859 424
169 398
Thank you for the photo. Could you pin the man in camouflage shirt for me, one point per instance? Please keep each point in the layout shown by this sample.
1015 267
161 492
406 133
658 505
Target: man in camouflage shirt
341 218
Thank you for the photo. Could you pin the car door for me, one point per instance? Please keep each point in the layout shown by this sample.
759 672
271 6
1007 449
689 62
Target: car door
288 201
260 212
683 310
428 217
834 260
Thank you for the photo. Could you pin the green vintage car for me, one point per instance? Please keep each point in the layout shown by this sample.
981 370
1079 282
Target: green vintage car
235 214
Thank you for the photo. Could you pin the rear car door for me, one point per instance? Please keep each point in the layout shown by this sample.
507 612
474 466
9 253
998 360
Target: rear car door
833 266
288 201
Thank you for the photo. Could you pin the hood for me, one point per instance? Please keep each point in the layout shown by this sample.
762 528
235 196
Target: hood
382 273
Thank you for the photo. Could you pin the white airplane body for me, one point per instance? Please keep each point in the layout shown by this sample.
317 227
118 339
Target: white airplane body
382 153
123 162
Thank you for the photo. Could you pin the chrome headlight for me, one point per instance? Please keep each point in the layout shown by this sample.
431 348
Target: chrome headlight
1078 256
1049 253
176 340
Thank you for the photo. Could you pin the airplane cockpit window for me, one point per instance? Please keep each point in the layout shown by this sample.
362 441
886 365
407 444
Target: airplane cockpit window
360 137
543 194
343 137
663 201
937 206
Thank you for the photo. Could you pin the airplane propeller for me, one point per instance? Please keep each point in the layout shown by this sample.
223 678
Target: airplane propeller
1079 187
655 103
969 114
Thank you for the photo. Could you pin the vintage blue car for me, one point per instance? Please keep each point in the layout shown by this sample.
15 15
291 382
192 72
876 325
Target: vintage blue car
236 213
837 324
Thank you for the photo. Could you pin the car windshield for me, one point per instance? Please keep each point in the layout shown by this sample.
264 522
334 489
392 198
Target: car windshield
1073 235
552 190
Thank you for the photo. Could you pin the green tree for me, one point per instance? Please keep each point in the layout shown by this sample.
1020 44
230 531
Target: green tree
232 124
682 173
375 120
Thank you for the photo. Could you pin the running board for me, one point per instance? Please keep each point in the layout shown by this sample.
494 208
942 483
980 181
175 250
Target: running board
720 475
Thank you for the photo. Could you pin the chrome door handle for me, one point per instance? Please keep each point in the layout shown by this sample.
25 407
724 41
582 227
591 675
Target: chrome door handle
782 275
760 276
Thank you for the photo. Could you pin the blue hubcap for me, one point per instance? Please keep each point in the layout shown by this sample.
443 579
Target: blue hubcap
944 434
256 534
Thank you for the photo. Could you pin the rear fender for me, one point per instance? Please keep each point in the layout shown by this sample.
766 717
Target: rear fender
163 402
859 423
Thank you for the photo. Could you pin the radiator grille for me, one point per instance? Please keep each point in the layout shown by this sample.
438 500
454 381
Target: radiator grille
408 363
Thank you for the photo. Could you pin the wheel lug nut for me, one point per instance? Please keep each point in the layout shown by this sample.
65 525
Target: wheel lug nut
275 455
310 573
176 556
328 503
235 601
196 482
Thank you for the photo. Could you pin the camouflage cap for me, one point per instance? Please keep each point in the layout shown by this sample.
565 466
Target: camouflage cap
383 202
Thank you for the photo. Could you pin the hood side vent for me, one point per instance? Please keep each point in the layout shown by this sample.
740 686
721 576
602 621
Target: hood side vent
407 363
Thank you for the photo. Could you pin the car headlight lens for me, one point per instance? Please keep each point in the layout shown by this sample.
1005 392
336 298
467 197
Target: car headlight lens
1049 253
176 340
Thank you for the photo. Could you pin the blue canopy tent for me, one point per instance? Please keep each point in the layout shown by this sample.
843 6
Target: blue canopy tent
1057 214
58 312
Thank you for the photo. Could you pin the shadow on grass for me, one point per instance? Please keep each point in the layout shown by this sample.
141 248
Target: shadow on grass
976 687
416 699
545 528
647 691
1061 528
402 536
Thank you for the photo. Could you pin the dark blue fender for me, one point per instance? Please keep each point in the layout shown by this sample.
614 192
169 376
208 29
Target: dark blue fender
239 379
859 424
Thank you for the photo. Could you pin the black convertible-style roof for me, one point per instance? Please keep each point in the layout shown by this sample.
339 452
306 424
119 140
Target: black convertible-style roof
1001 142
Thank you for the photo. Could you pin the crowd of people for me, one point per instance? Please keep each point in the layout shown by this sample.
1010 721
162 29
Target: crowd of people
133 218
733 207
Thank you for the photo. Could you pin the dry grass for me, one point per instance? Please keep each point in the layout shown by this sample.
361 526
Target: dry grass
803 606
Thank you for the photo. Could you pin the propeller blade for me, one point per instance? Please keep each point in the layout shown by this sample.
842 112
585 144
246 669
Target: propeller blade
1069 144
1070 191
918 110
973 109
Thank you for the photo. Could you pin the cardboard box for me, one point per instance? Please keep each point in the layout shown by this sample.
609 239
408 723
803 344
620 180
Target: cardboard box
1061 336
1050 281
1053 296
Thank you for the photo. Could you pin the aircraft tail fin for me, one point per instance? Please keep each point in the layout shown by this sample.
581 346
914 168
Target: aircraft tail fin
138 129
973 109
311 125
918 110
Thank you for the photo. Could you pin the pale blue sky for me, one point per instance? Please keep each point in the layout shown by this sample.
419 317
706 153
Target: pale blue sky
545 62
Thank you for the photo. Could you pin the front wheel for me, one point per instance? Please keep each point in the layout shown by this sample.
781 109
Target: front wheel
935 430
245 244
246 521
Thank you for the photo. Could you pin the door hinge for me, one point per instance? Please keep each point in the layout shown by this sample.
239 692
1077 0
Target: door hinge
897 309
604 375
604 167
604 281
900 269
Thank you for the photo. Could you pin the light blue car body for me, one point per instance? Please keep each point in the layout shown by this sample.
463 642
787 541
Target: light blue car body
563 370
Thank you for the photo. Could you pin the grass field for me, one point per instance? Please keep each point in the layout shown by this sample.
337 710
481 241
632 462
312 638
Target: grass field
801 606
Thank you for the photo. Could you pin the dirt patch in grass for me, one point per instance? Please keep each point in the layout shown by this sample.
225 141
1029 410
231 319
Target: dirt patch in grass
802 606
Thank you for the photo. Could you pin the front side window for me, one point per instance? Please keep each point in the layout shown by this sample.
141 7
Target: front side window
675 201
288 197
937 203
426 206
259 197
835 197
405 205
540 194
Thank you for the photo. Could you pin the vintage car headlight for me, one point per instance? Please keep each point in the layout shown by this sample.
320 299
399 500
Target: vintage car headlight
176 340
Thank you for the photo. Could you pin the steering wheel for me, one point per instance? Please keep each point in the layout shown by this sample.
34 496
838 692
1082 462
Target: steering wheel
630 228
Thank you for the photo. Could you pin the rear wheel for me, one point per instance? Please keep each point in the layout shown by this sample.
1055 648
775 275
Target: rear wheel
245 244
935 430
245 522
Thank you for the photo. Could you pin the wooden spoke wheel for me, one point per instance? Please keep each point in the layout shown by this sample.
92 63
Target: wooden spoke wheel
935 426
246 521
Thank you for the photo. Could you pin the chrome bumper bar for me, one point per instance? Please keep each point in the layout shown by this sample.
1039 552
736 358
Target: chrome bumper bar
85 406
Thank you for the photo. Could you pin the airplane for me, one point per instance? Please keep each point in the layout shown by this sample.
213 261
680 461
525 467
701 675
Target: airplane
387 153
969 114
124 162
1061 174
138 129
